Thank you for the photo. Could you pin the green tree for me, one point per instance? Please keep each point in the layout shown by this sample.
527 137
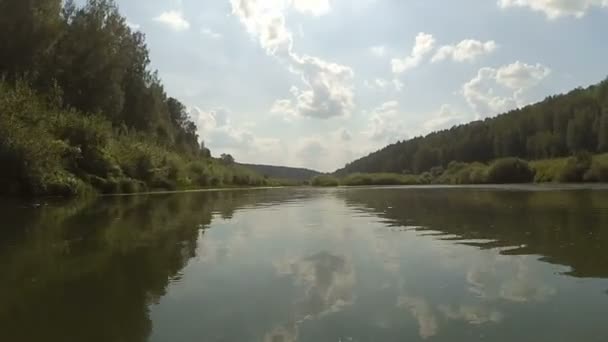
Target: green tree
603 132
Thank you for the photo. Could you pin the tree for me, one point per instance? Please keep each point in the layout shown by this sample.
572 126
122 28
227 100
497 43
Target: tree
29 30
556 127
227 159
603 132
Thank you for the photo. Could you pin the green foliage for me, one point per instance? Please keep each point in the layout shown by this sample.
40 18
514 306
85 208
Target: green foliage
462 173
325 181
548 170
359 179
510 170
81 109
576 168
599 168
45 150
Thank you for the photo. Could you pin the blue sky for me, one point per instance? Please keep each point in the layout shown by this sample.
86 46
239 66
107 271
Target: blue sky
318 83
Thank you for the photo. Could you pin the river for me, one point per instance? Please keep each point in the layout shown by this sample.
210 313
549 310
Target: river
309 265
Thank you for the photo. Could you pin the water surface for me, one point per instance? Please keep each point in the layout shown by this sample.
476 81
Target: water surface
367 264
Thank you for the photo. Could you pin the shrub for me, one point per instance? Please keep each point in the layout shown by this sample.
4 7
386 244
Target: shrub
576 168
325 181
426 178
599 168
548 170
510 170
357 179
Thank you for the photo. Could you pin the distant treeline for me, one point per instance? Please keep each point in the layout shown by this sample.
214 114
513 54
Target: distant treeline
559 126
81 110
582 167
283 172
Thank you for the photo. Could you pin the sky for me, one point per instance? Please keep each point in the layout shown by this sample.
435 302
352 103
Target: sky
319 83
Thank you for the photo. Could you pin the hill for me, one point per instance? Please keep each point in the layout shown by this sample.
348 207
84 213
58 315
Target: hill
559 126
283 172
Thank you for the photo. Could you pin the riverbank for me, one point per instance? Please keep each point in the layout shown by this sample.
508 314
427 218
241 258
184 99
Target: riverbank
580 168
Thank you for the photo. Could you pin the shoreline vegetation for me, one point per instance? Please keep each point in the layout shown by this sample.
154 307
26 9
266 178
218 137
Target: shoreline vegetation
81 112
580 168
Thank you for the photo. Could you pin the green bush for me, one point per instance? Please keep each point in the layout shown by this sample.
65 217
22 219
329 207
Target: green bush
45 150
325 181
576 168
548 170
510 170
599 168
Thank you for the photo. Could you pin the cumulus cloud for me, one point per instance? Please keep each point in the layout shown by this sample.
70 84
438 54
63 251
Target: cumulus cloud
424 45
328 89
495 90
385 124
467 50
222 136
445 118
174 19
554 9
520 75
328 92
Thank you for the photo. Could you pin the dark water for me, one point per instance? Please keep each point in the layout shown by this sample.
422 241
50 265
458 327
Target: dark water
392 264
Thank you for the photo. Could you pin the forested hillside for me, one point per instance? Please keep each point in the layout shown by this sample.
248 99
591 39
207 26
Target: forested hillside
283 172
559 126
80 108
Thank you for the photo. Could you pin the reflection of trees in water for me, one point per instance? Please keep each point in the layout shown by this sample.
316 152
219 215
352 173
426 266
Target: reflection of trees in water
567 228
87 271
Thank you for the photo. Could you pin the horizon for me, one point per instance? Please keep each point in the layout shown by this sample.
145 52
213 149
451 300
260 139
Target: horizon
316 98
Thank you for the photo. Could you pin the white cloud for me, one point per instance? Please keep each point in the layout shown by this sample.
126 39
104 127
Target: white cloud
265 20
285 109
497 90
314 7
385 125
210 33
328 88
174 19
554 9
425 43
520 75
378 51
445 118
222 136
467 50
